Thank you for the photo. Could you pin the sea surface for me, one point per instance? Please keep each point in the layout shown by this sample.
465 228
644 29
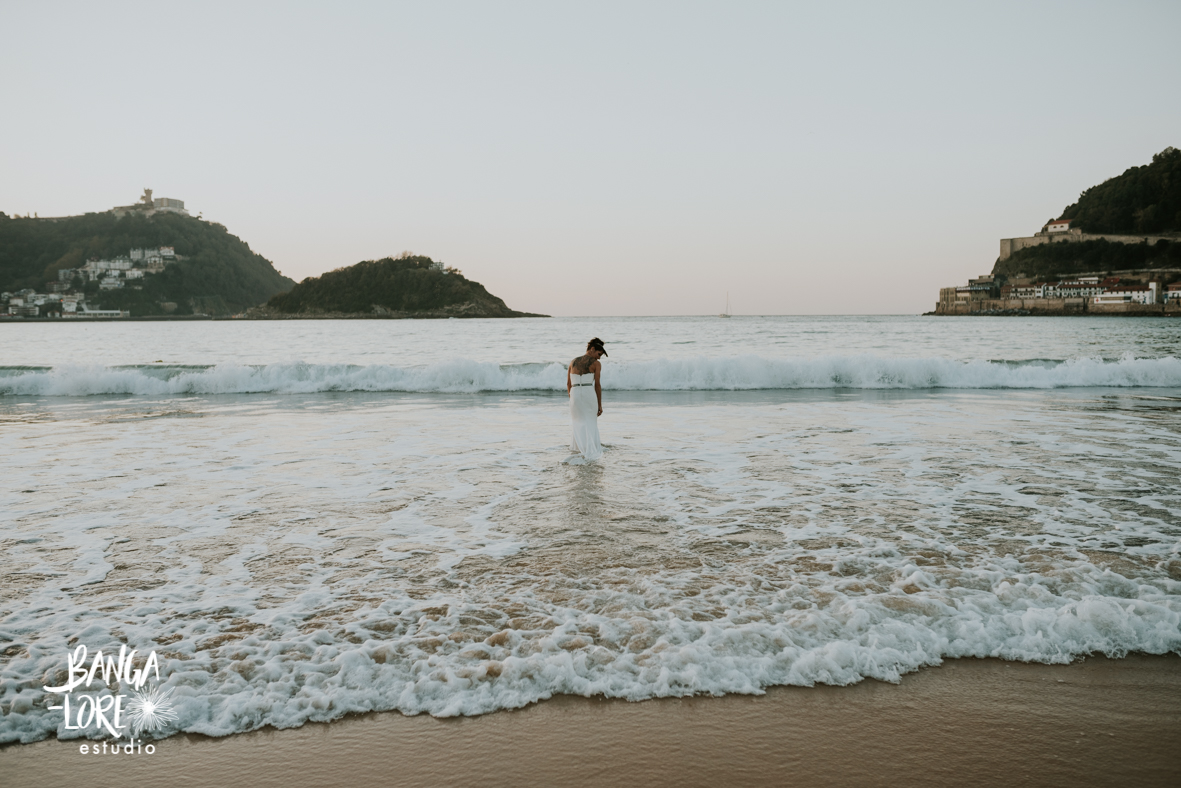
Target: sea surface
309 518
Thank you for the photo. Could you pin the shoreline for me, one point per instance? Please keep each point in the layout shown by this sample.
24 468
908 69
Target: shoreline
223 318
1047 313
1024 308
968 722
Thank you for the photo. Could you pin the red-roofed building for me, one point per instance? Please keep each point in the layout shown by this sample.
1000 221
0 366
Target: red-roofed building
1059 226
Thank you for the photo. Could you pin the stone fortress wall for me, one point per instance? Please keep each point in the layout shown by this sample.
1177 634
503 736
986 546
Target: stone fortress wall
1010 245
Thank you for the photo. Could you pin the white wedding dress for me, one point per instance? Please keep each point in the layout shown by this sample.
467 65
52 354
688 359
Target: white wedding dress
584 416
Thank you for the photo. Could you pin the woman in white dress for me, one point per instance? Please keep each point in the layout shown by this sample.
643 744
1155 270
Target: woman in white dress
586 403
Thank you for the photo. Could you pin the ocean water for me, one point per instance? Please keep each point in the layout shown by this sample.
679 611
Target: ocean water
307 519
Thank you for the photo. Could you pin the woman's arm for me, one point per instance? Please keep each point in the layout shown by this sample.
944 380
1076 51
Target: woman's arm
597 368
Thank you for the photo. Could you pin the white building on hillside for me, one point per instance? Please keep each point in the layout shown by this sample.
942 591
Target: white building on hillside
154 259
149 205
1130 294
146 254
97 269
170 205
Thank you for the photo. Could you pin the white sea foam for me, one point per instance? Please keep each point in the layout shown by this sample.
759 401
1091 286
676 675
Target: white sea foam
300 563
697 374
460 655
298 558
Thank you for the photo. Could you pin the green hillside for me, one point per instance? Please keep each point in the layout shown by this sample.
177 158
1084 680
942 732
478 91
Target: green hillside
405 286
217 273
1144 200
1083 257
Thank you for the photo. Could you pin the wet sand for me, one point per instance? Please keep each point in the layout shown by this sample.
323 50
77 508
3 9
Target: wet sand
968 723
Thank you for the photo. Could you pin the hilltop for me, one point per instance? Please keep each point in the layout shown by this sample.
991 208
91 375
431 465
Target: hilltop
407 286
212 271
1143 201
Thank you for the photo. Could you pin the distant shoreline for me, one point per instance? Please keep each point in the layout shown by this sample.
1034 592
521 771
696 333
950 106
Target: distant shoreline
225 318
1024 308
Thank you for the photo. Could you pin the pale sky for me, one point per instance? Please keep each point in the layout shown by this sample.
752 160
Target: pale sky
598 158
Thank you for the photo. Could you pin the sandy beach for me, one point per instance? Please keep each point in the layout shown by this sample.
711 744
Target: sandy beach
967 723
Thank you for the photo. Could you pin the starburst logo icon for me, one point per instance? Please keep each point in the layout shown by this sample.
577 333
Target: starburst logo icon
150 709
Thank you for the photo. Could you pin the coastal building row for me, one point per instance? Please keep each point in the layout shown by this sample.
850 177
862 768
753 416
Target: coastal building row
111 274
1090 289
29 303
1100 290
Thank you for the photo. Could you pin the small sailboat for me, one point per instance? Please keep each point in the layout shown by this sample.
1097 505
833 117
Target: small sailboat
727 312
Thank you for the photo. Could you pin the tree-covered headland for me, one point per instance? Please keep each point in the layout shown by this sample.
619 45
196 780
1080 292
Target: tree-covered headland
1144 200
214 271
410 285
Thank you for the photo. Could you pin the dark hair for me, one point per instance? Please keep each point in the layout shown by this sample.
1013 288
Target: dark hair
596 344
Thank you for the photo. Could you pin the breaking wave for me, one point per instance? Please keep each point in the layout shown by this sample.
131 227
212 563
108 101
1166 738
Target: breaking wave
697 374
